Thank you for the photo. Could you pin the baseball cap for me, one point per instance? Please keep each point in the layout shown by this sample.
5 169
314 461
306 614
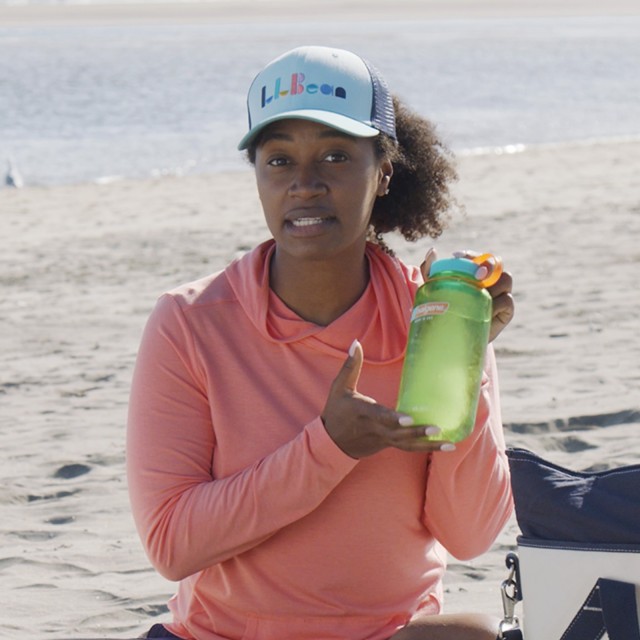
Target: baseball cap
331 86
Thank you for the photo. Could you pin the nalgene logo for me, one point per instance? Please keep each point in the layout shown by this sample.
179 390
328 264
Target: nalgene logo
429 309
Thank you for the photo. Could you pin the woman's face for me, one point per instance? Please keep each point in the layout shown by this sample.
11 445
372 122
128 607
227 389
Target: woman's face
317 187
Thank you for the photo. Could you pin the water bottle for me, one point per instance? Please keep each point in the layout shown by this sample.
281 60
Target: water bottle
447 342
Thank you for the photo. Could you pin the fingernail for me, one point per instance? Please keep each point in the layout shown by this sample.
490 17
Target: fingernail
482 272
405 421
460 253
353 347
448 446
431 431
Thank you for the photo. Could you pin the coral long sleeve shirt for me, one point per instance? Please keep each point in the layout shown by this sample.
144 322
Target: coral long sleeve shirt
239 493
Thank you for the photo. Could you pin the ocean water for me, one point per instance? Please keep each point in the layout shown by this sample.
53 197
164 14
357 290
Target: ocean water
87 103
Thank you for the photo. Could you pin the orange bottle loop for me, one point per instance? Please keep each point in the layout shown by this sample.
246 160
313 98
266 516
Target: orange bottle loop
493 265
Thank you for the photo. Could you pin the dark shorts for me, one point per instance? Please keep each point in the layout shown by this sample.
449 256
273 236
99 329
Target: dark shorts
159 632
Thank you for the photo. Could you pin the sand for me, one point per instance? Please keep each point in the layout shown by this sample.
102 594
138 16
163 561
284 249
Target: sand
82 266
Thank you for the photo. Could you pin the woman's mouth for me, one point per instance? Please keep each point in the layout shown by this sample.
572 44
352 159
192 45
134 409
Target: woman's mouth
307 222
309 225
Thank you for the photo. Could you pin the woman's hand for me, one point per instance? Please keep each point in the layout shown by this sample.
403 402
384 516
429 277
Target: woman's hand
503 306
361 427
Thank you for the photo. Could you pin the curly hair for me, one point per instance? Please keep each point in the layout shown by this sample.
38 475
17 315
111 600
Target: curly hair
419 199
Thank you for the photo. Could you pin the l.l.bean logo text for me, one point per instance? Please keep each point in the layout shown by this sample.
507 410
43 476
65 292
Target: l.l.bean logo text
298 86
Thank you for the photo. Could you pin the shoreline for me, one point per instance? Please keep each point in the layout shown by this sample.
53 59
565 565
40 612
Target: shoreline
288 10
243 168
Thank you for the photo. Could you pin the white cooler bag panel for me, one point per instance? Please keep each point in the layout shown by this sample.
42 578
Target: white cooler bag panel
557 577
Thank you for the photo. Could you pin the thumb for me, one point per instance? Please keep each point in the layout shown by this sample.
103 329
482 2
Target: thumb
350 373
430 257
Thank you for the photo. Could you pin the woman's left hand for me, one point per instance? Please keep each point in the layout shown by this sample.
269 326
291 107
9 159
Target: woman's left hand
503 306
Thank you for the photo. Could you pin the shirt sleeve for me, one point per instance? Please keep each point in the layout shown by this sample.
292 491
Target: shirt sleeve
187 519
468 496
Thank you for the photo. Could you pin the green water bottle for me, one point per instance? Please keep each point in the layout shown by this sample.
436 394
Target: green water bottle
446 347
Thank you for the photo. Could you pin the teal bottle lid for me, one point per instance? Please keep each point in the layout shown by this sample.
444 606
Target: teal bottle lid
462 266
469 268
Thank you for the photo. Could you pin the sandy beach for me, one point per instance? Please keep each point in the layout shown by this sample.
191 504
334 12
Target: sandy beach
83 264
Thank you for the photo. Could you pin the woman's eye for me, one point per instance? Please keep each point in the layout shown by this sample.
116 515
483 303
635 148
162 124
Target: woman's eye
278 161
336 156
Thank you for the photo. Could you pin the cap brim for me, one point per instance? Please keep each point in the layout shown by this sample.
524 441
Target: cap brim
333 120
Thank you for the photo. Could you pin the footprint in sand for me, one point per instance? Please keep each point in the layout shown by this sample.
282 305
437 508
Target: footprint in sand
69 471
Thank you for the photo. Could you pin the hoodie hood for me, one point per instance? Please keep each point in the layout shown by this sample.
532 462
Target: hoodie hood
379 318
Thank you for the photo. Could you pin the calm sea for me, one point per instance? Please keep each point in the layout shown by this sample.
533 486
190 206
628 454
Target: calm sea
85 103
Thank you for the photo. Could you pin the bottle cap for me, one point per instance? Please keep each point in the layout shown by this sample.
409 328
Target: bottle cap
469 267
493 265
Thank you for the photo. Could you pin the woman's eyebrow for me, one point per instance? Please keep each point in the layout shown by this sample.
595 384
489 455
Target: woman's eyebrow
274 135
334 133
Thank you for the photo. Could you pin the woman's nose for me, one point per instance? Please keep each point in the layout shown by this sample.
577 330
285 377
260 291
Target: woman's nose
306 182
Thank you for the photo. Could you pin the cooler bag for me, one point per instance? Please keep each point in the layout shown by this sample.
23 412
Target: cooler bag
577 567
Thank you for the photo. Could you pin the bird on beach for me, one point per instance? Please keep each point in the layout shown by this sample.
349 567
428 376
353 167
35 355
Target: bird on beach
13 177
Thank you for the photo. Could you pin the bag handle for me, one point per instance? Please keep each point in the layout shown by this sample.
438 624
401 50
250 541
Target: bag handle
611 607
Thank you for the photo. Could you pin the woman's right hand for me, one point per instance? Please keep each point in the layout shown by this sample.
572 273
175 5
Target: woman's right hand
361 427
503 305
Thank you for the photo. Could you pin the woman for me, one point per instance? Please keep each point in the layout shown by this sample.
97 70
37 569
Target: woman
268 471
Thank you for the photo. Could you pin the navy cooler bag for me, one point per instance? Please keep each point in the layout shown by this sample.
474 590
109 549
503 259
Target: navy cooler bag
577 567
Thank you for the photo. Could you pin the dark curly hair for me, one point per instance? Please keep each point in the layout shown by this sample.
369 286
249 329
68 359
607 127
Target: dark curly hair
419 199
